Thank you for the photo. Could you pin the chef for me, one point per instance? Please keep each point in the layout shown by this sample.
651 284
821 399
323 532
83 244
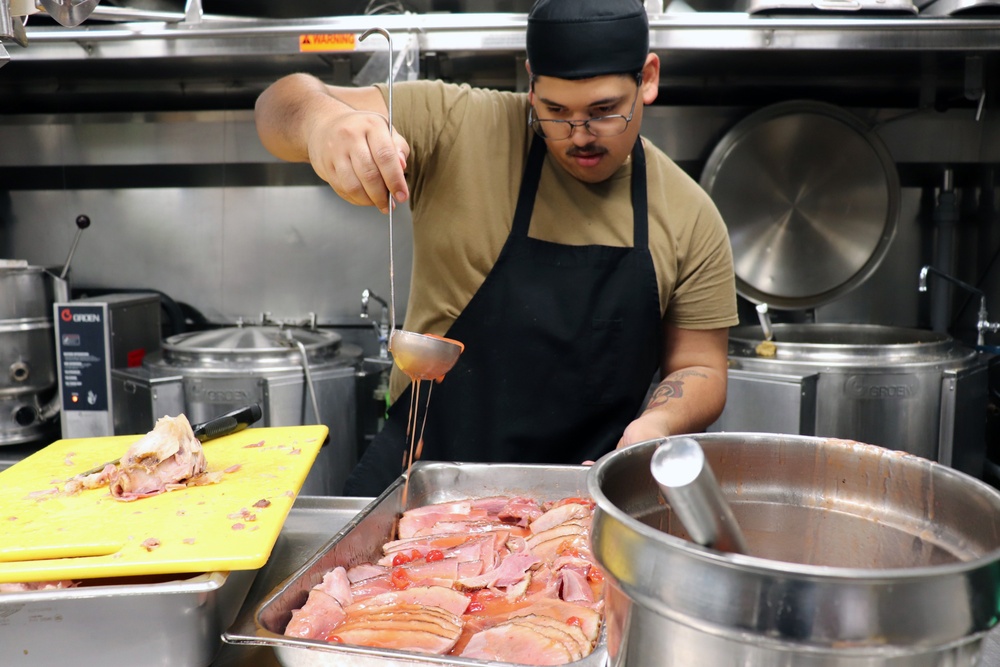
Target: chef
573 258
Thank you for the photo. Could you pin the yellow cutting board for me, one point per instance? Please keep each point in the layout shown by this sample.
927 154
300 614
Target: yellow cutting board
47 534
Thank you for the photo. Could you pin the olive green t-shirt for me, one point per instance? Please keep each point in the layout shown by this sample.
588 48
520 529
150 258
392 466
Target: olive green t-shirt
468 149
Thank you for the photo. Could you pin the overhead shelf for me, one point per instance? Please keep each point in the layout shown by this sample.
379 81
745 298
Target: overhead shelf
499 32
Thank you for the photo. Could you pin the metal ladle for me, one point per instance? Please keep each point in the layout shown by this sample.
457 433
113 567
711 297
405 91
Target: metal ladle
688 484
420 356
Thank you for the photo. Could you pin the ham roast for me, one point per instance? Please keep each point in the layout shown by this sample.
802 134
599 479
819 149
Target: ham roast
501 579
167 457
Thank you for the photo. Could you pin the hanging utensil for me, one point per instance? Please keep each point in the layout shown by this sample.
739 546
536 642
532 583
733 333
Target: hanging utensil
420 356
688 484
69 13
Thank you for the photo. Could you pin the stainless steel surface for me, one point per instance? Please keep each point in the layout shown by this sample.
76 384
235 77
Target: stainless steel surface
157 623
449 32
889 386
69 13
361 541
960 8
28 382
309 525
687 483
829 7
811 200
863 557
225 368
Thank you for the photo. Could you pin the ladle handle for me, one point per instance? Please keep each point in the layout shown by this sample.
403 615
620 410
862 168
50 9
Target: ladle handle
392 203
687 482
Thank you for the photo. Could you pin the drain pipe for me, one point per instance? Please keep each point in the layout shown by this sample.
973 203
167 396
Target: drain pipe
945 218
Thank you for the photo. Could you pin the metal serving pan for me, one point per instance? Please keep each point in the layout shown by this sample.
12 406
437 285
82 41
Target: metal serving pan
361 541
156 622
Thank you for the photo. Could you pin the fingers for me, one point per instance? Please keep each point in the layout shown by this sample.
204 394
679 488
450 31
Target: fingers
355 154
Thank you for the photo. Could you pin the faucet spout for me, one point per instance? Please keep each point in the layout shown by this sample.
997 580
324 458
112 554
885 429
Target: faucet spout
982 318
922 280
382 326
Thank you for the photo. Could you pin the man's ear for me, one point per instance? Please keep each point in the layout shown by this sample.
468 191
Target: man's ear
650 78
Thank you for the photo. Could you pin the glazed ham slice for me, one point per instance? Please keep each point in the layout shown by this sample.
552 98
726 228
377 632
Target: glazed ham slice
164 458
411 627
317 618
533 640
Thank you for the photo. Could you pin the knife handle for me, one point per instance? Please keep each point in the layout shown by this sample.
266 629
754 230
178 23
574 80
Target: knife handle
229 423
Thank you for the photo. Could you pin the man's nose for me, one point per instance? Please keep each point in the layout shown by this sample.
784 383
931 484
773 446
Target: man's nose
580 134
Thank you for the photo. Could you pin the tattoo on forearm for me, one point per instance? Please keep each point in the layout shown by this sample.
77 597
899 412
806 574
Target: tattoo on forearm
671 387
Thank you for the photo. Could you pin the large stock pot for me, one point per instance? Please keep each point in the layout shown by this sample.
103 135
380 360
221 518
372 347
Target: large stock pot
861 557
27 352
908 389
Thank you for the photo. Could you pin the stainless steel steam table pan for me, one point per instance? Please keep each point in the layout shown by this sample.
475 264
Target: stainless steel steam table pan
361 541
152 623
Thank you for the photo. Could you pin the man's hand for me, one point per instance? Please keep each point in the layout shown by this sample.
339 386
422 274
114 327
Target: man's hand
353 152
648 426
342 132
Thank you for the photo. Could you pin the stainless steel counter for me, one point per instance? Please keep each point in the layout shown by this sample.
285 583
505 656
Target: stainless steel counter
311 523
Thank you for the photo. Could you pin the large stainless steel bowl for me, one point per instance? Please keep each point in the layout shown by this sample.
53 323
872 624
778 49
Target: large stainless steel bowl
861 556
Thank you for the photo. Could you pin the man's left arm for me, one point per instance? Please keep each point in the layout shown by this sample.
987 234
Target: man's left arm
693 391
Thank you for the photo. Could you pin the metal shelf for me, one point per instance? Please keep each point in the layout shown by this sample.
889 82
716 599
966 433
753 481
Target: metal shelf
493 33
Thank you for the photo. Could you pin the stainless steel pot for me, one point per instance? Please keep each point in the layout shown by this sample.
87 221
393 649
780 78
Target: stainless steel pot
281 368
28 381
861 557
907 389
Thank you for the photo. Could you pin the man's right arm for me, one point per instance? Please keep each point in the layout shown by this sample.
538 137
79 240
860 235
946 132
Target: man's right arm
342 132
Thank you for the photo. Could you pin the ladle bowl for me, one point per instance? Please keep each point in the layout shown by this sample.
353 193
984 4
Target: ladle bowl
424 356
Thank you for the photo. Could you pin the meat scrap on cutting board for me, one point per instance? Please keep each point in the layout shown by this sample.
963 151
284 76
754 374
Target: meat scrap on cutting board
167 458
501 579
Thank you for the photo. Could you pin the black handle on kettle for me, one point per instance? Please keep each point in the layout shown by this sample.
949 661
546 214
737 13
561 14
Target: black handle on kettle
229 423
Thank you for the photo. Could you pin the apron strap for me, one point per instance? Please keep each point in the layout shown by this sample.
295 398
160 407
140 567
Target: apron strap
529 187
640 217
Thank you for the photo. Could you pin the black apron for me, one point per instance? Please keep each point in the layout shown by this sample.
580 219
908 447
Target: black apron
561 343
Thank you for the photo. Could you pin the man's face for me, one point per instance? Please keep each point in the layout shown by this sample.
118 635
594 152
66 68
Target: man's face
587 157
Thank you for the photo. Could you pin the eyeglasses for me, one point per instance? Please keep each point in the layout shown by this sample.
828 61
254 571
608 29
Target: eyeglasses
601 126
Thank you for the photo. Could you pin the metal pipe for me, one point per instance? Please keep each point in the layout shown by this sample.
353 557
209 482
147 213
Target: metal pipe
946 228
688 484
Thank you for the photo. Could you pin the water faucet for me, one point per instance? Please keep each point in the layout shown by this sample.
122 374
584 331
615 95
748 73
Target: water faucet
982 318
382 326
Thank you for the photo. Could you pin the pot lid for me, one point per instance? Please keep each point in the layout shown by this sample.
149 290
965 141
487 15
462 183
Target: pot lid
250 344
811 199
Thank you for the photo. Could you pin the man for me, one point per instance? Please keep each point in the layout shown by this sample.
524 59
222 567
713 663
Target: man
572 258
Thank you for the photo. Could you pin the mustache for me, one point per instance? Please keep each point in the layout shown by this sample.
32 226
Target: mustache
590 150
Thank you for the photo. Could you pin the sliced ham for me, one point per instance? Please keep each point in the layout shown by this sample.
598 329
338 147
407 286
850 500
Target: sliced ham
365 571
516 642
511 570
521 511
428 596
336 584
317 618
559 515
499 578
574 587
567 612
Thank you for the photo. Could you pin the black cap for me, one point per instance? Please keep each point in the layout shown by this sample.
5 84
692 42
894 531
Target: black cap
579 39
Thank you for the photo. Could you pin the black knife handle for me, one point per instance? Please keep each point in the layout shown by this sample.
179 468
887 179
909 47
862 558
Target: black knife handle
229 423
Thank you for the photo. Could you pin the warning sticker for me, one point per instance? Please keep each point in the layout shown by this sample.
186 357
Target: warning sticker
343 41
